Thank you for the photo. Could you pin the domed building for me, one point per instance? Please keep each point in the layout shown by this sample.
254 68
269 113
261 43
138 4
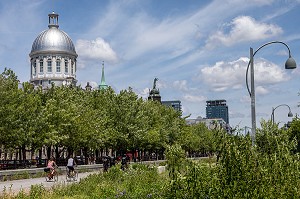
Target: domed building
53 57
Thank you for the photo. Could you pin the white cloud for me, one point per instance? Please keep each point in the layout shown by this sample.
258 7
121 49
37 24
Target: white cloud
268 73
233 114
98 50
283 53
261 90
231 75
243 28
194 98
185 110
181 85
144 93
245 99
224 75
160 84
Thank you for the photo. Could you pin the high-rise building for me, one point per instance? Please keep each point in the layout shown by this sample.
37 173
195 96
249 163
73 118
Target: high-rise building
175 104
217 109
53 57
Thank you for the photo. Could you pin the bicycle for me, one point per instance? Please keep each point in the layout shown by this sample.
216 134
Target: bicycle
71 175
49 176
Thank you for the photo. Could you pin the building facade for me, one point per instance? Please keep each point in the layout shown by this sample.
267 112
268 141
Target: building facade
217 109
53 57
209 123
175 104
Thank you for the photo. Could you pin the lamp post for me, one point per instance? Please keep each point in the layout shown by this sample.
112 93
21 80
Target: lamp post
289 64
290 114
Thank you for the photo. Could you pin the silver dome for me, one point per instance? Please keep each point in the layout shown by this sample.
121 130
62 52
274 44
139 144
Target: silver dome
53 39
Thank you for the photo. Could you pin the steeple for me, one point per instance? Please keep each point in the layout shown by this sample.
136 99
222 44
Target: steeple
103 85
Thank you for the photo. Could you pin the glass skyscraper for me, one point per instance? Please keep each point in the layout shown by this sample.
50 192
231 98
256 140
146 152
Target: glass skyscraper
217 109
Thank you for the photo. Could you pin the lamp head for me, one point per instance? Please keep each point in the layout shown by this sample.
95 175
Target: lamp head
290 63
290 114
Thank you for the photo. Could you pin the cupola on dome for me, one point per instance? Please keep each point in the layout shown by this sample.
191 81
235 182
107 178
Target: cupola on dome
53 57
53 39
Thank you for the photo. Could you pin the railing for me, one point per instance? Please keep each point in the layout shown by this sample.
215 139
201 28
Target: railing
30 172
41 163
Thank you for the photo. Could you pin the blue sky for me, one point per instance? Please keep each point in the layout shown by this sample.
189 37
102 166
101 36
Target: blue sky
198 50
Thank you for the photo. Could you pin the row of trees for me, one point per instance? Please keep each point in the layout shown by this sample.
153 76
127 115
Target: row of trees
73 119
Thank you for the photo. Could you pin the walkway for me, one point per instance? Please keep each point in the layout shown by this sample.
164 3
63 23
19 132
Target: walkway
15 186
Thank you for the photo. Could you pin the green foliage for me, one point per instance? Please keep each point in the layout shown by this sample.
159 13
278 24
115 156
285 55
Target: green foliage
23 175
175 158
197 182
242 171
198 138
268 170
31 118
140 181
294 133
269 138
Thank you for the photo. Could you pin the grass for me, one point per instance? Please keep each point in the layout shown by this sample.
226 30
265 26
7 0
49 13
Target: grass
138 181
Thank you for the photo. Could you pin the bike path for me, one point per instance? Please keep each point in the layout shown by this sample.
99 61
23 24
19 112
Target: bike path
15 186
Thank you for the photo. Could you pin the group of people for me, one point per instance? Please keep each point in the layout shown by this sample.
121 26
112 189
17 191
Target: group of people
111 161
52 165
108 161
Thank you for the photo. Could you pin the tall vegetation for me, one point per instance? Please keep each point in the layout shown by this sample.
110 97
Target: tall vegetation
70 119
268 169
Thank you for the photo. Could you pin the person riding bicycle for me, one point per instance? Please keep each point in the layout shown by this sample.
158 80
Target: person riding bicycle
51 165
70 165
124 162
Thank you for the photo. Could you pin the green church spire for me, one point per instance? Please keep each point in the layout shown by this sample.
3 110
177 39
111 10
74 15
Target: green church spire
103 85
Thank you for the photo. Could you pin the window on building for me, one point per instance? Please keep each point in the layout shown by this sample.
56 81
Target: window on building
41 66
58 66
66 67
34 68
72 68
49 66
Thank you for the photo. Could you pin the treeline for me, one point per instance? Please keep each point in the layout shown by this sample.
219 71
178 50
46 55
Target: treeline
72 119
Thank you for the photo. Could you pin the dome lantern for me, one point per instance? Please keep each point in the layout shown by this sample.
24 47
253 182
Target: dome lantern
53 20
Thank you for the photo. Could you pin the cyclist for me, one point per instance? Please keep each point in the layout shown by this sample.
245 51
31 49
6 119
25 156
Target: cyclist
70 165
51 165
124 162
106 160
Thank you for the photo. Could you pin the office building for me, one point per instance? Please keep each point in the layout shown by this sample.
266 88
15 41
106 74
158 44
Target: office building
175 104
217 109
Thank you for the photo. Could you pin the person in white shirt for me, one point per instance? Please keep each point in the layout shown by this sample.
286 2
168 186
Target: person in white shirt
71 164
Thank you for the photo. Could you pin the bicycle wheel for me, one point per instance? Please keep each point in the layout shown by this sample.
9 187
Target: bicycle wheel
67 174
47 176
75 178
55 177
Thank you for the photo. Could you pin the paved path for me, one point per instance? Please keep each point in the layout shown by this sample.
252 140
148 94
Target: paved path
15 186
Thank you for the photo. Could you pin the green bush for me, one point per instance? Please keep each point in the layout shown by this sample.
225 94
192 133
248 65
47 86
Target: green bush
138 181
268 170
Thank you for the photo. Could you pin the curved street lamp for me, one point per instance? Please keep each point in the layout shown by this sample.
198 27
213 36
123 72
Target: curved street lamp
290 114
289 64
